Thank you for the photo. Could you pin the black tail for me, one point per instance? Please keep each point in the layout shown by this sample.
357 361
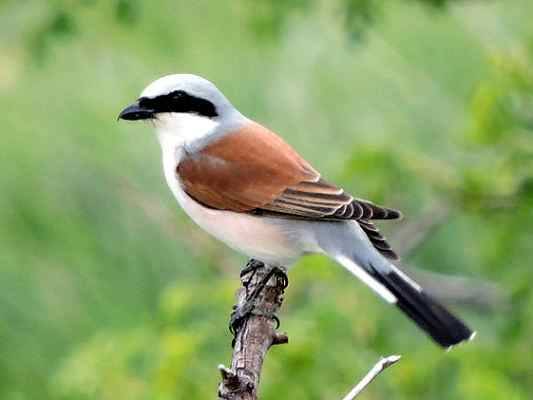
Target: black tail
446 329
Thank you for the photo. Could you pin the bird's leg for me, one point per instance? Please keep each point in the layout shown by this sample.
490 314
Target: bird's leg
253 286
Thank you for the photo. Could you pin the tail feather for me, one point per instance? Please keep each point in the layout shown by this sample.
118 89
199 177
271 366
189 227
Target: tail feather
445 328
393 285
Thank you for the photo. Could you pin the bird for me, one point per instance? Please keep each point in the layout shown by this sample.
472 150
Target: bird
247 187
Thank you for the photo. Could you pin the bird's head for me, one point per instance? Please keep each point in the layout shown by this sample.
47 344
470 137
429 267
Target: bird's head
182 105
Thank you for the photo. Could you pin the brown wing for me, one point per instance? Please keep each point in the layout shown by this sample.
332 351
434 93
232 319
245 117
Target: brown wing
244 170
253 170
322 200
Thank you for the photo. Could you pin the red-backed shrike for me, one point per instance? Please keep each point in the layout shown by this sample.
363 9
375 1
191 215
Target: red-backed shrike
247 187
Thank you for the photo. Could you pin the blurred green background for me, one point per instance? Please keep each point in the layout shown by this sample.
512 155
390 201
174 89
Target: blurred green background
107 291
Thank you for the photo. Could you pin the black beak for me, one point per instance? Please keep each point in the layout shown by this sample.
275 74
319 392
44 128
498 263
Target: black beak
135 112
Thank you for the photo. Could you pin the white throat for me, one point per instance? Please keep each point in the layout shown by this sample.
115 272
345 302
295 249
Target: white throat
175 131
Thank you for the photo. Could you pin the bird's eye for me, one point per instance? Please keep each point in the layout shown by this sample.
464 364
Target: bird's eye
178 94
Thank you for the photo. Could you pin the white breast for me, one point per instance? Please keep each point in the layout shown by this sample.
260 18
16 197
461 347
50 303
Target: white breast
267 239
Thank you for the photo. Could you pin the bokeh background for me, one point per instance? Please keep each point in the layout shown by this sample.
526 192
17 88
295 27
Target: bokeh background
107 291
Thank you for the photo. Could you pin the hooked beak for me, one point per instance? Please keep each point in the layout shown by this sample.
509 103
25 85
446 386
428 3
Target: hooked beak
135 112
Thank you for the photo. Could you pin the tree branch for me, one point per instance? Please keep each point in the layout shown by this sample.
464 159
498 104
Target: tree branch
254 325
377 369
255 330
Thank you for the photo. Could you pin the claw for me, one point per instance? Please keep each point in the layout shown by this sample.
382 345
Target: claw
282 275
251 266
239 314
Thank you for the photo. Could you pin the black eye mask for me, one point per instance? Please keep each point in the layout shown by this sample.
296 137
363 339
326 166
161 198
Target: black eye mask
179 102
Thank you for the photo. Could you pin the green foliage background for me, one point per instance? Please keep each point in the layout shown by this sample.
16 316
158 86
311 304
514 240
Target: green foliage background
107 291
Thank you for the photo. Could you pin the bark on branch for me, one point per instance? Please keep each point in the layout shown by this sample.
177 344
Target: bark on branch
255 330
254 325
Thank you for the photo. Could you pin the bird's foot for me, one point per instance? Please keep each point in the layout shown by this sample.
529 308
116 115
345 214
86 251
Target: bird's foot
242 312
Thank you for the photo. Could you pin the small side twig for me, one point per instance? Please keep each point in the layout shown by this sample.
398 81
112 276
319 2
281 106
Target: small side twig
254 325
377 369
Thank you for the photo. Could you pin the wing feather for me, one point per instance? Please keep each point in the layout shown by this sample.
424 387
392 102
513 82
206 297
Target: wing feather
253 170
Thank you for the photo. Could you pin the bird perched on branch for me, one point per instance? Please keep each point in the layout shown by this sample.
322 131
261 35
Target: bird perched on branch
243 184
